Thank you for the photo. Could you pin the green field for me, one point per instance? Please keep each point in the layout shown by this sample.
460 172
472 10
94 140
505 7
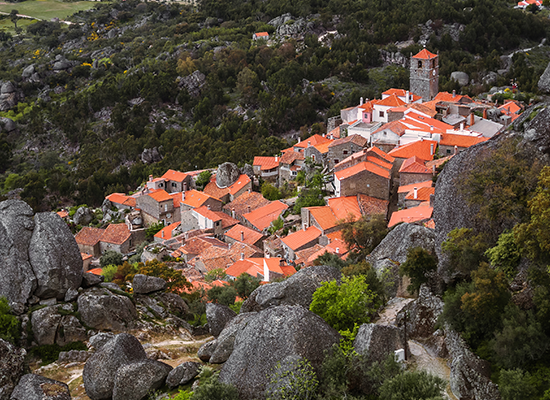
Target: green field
42 9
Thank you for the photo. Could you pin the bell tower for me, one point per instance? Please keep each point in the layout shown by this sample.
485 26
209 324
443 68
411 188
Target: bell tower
424 80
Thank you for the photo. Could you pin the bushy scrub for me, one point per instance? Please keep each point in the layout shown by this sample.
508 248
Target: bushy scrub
10 328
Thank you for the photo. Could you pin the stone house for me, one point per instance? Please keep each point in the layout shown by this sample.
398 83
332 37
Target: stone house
195 199
342 148
404 190
367 177
318 153
116 237
291 162
414 170
418 196
266 168
231 192
300 240
156 207
452 144
204 218
177 181
121 201
245 203
423 149
261 218
88 239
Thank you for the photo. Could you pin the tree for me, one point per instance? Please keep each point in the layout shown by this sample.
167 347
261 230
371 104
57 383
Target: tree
176 282
245 285
153 229
108 272
505 256
465 249
412 385
10 329
363 235
110 257
342 306
213 389
14 17
225 295
203 178
270 192
419 264
331 260
515 384
308 198
292 379
215 274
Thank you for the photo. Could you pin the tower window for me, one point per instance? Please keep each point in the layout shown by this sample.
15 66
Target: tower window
381 114
419 64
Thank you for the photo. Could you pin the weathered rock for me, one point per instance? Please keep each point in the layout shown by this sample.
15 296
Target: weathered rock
218 316
12 363
544 80
248 170
280 20
144 284
83 216
206 350
7 88
28 71
70 330
296 290
101 368
375 342
61 65
71 295
97 341
273 335
44 325
193 83
7 125
461 77
35 387
71 356
490 78
182 374
110 286
54 256
134 381
17 280
89 279
422 314
101 309
174 304
227 174
151 305
470 375
226 341
149 156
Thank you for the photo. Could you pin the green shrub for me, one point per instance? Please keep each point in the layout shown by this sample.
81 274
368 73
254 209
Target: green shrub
213 389
110 257
505 255
109 272
10 328
419 264
514 384
49 353
412 385
292 379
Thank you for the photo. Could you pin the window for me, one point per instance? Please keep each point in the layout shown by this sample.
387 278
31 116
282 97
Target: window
345 152
313 157
174 184
161 184
336 161
293 173
165 207
448 151
381 114
419 64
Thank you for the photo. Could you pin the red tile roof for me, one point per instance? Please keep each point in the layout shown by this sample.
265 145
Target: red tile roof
63 213
266 163
408 188
438 162
85 256
239 184
160 195
410 215
371 205
250 236
395 126
414 165
462 141
95 271
197 245
166 232
302 237
262 217
313 140
420 148
227 221
117 198
116 234
324 217
254 266
262 34
427 124
173 175
425 55
422 194
130 202
302 256
212 189
450 98
89 236
423 108
356 139
207 213
510 107
335 133
401 93
362 166
195 199
391 101
253 200
323 147
290 156
342 207
336 246
382 163
382 154
176 197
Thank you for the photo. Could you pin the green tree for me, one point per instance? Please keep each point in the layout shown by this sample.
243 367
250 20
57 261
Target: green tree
10 329
346 304
505 256
213 389
110 257
176 282
153 229
270 192
245 285
217 273
308 198
109 272
330 259
225 295
292 379
420 263
515 384
14 17
465 249
412 385
203 178
363 235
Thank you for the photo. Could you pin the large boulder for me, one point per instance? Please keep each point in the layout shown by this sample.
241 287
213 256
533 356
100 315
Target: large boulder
44 325
422 314
144 284
218 315
134 381
227 174
273 335
375 341
83 216
17 280
12 364
54 256
461 77
173 303
205 351
544 80
89 279
7 125
296 290
36 387
101 369
182 374
101 309
225 343
70 330
149 156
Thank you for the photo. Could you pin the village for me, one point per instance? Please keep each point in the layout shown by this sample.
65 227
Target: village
380 157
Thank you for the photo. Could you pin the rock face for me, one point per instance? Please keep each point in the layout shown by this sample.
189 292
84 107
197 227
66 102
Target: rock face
12 363
375 342
7 125
227 174
193 83
17 280
273 335
225 343
218 316
206 350
149 156
101 309
89 279
133 381
544 81
296 290
54 256
423 314
470 375
33 386
83 216
44 325
182 374
101 368
144 284
461 77
174 304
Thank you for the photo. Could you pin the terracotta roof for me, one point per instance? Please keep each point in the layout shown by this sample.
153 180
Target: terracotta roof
323 147
116 234
420 148
356 139
302 256
362 166
462 141
262 217
408 188
239 184
510 107
380 162
381 153
334 235
425 55
391 101
176 198
173 175
63 213
410 215
342 207
401 93
423 108
254 266
207 213
438 162
422 194
253 200
197 245
160 195
262 34
324 217
314 140
130 202
448 97
212 189
89 236
371 205
195 199
335 133
266 163
336 246
85 256
414 165
95 271
430 224
250 236
290 156
426 123
302 237
117 198
395 126
227 221
166 232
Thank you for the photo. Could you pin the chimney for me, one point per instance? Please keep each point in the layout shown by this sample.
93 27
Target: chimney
456 149
472 119
432 149
232 213
484 113
162 233
242 256
299 139
249 190
462 126
248 208
182 196
407 98
281 262
433 169
421 139
361 101
276 159
308 143
454 94
208 206
338 250
242 236
415 193
267 255
150 178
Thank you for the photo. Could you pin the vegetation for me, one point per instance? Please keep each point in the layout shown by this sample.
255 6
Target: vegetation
49 353
175 281
363 235
110 257
292 379
412 385
10 328
419 264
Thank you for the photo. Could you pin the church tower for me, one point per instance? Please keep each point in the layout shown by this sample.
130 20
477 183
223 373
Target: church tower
424 80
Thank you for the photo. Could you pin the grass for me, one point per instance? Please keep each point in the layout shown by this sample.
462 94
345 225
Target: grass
46 9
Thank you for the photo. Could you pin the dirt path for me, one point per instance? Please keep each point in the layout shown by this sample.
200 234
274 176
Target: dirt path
387 317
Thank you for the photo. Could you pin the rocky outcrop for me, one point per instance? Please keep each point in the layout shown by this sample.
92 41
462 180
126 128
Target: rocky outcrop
296 290
144 284
101 369
470 375
7 125
205 351
33 386
173 303
44 325
12 363
218 315
193 83
101 309
422 314
134 381
54 256
375 342
544 80
17 280
227 174
182 374
461 77
70 330
149 156
224 345
98 340
273 335
89 279
83 216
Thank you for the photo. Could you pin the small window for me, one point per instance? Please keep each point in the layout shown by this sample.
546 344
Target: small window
166 207
161 184
174 184
381 114
419 64
336 161
345 152
448 151
313 157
